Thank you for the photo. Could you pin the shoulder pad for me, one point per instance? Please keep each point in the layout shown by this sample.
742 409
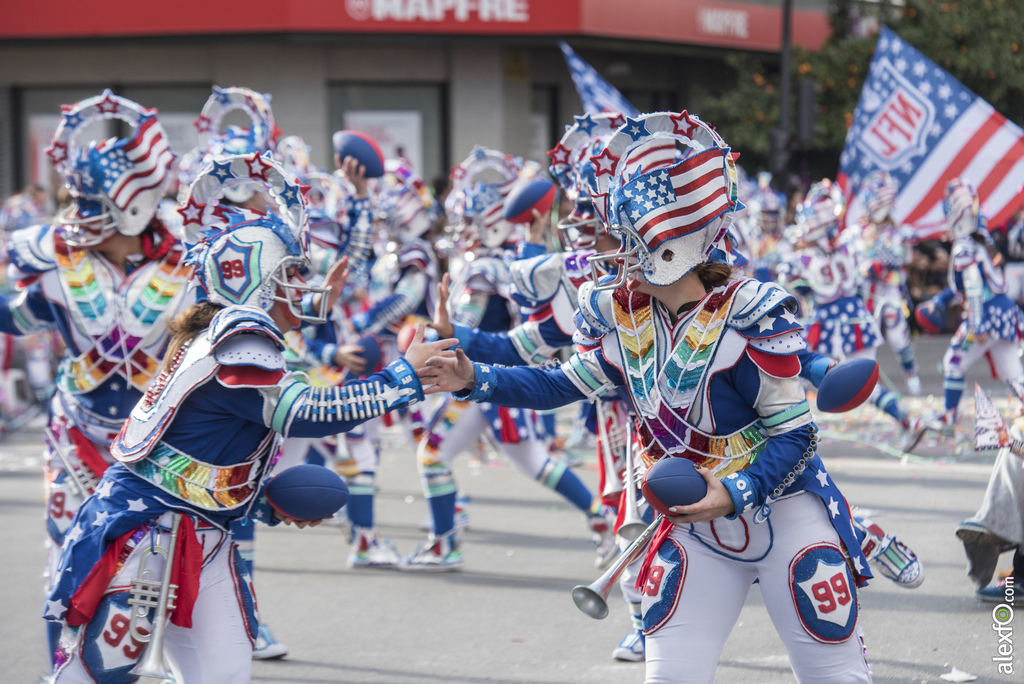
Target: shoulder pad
964 253
762 310
415 254
535 281
595 316
249 349
234 320
31 250
491 270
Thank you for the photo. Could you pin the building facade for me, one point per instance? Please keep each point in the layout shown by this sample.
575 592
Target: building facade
427 78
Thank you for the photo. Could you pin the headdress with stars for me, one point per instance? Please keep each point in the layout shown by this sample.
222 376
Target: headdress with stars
672 185
116 184
243 257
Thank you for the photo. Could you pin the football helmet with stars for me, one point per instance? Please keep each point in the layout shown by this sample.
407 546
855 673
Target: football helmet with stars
961 208
116 184
575 172
247 258
476 201
820 215
878 192
672 189
405 205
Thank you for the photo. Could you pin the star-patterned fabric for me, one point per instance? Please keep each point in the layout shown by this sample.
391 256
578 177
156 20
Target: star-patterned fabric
924 127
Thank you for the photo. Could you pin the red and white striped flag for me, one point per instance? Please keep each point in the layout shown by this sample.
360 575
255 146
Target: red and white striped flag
678 200
925 128
140 164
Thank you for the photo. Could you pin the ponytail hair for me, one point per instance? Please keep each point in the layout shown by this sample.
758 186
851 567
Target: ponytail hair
186 325
713 274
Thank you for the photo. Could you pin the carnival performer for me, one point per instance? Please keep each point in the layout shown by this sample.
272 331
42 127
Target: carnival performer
547 286
401 288
709 363
198 445
481 298
217 140
886 251
768 208
992 324
843 327
107 274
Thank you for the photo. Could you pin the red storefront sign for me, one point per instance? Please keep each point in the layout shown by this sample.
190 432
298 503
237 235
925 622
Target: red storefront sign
725 24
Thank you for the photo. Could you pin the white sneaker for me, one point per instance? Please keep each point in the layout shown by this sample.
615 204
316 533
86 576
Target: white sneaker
434 555
369 550
914 385
631 648
267 647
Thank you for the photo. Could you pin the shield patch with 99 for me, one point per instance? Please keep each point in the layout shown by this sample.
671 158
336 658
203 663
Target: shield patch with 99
824 593
660 594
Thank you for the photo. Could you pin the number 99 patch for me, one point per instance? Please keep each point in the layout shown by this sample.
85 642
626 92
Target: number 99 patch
660 594
824 593
233 267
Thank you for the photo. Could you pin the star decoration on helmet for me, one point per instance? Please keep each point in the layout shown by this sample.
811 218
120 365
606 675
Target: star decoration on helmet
636 128
559 154
290 194
57 152
203 123
222 171
604 163
107 105
616 120
683 124
304 189
71 118
458 172
192 212
585 123
222 95
258 166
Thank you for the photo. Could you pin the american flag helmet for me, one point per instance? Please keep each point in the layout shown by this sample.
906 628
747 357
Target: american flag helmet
961 208
670 186
878 192
243 257
820 215
115 184
476 202
404 203
572 168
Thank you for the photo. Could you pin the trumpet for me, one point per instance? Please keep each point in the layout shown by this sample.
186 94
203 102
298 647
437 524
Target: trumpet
82 479
147 593
592 599
632 524
611 481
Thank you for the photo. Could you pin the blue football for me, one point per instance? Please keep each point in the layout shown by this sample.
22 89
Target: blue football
307 492
847 385
526 196
673 482
363 148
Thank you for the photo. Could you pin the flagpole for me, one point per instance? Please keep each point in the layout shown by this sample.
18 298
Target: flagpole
780 136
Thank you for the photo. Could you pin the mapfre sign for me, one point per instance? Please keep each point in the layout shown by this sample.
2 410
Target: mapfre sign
515 11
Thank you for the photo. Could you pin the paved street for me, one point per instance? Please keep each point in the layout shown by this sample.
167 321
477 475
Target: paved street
507 617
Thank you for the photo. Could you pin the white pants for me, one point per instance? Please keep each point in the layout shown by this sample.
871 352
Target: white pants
216 650
1014 273
528 456
720 561
1005 355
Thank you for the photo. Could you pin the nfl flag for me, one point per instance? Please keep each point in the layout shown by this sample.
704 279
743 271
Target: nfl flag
597 94
924 127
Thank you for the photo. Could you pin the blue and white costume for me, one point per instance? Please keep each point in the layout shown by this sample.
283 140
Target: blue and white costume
843 327
989 314
200 444
716 383
884 253
113 322
480 298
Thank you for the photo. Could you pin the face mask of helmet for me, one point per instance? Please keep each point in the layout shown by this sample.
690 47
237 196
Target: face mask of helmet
582 227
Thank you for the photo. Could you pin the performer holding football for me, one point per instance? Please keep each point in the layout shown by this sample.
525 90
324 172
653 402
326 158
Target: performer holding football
195 451
710 366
